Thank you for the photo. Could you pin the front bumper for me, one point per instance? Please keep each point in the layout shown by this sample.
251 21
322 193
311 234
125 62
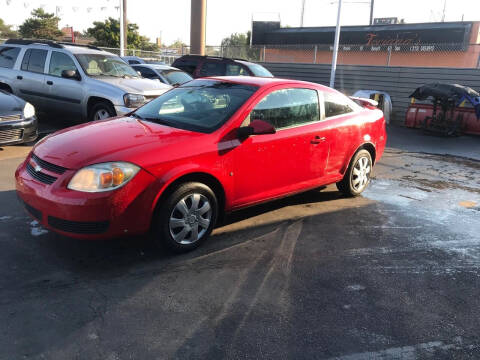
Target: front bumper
18 131
122 110
103 215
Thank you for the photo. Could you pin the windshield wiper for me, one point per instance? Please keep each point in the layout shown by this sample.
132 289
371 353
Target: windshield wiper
159 121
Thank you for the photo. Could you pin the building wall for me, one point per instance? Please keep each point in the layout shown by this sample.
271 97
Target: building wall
399 82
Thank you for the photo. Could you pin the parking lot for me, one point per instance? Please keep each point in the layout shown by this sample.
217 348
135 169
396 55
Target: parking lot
391 274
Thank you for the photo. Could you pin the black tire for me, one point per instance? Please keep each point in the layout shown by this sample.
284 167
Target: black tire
101 106
161 230
347 185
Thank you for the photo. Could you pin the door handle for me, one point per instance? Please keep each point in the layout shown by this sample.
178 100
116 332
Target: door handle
318 139
19 77
49 82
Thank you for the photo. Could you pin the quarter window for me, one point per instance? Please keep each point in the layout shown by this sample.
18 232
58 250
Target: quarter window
234 70
60 62
337 104
8 56
146 72
34 60
187 65
288 107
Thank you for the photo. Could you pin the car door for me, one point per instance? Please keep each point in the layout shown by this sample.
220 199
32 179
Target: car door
341 119
64 95
290 160
30 80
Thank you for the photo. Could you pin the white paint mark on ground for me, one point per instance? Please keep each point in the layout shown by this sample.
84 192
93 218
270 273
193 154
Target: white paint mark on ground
4 218
36 229
404 352
355 287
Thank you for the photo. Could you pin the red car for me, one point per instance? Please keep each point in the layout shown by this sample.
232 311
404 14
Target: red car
208 147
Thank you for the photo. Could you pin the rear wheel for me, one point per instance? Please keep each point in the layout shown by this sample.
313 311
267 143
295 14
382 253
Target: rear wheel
186 218
100 111
357 176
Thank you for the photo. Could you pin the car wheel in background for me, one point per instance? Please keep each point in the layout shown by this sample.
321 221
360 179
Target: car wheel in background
100 111
185 218
357 176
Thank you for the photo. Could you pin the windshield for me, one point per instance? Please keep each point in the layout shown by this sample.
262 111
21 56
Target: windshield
259 70
105 65
200 105
176 76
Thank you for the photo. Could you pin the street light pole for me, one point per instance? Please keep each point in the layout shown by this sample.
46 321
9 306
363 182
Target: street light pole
372 5
335 46
303 13
122 30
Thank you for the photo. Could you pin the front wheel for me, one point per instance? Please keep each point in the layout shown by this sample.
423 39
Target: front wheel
357 176
100 111
186 218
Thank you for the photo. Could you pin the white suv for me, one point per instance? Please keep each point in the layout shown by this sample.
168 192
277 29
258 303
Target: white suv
83 82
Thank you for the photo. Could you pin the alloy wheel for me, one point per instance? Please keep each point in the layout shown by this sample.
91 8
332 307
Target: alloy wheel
101 114
361 173
190 219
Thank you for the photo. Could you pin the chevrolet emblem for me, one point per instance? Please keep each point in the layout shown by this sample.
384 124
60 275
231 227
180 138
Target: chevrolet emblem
38 168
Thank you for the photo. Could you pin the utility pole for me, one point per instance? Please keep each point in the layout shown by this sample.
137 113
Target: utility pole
444 6
335 46
303 13
125 24
122 39
372 4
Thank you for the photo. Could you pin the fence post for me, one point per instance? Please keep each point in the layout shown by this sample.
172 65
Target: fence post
389 55
264 60
182 50
315 54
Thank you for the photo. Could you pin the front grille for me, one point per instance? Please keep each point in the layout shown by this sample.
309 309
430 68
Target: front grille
10 117
38 175
78 227
11 135
49 166
37 214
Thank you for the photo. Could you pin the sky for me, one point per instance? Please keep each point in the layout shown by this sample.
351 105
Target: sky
170 20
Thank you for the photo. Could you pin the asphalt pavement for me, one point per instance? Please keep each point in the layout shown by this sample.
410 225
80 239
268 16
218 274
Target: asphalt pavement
393 274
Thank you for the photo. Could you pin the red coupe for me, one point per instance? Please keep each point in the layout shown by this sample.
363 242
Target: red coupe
208 147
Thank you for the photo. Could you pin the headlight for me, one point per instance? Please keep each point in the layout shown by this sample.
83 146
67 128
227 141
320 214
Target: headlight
103 177
28 111
133 100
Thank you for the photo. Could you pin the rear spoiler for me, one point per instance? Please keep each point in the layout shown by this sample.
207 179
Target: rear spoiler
364 101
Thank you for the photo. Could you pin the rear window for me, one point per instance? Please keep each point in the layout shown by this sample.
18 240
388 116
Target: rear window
259 70
8 56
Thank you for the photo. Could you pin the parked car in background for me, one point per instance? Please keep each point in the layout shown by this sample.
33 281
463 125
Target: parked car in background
18 123
207 147
164 73
135 60
81 82
203 66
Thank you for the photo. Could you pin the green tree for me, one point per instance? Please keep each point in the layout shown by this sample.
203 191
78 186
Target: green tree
6 31
41 25
107 34
177 44
238 46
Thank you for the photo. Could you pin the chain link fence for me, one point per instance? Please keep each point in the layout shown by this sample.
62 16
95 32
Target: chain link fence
425 55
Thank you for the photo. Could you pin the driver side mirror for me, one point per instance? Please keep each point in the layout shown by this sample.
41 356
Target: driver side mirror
70 74
256 127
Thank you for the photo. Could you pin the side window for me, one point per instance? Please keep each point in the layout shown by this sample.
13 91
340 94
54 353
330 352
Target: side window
133 62
59 62
288 107
212 68
146 72
34 60
188 66
336 104
236 70
8 56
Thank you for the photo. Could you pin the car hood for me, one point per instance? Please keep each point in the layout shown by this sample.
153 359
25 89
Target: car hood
137 86
10 104
119 139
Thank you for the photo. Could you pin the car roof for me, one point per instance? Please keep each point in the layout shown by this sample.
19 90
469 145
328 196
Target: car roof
85 50
218 58
157 66
263 81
